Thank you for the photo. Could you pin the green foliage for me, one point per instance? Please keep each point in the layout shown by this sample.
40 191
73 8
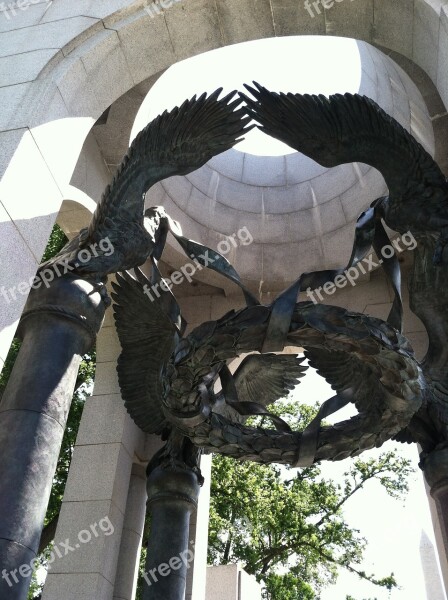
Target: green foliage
9 364
287 587
57 241
84 381
290 532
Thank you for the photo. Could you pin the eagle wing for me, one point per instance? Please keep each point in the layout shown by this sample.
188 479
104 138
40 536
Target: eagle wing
174 143
265 378
148 339
343 129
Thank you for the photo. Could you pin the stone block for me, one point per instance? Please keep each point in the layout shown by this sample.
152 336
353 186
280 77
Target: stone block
426 36
178 188
249 586
380 311
331 216
222 582
23 68
411 323
35 219
229 163
107 66
108 345
393 25
415 93
99 555
419 342
199 208
19 19
77 89
17 264
197 309
45 35
146 44
248 261
156 195
368 87
287 199
302 225
358 198
365 55
421 128
106 379
394 74
278 227
286 264
91 174
77 586
99 472
264 170
11 100
300 168
338 246
100 9
202 179
236 195
402 110
243 20
442 71
136 502
193 28
334 182
223 219
350 19
105 420
292 18
130 547
109 318
196 578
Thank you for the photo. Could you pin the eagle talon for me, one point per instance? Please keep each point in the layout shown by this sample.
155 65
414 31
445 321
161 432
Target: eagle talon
100 288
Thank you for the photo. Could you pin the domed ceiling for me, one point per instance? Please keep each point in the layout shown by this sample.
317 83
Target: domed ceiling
300 215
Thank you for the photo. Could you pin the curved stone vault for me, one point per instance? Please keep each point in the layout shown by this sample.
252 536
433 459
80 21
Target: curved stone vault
300 215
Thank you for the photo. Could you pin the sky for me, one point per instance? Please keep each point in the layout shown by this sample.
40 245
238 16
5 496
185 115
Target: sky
272 63
393 528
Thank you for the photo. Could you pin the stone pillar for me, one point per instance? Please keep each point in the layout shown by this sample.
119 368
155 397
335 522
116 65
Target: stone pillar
197 574
58 326
435 469
107 445
131 538
172 496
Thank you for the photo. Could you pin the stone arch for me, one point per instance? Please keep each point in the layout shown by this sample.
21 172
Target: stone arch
76 210
105 55
105 52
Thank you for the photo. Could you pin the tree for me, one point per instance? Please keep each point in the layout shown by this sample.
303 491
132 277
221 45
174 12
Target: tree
288 528
83 383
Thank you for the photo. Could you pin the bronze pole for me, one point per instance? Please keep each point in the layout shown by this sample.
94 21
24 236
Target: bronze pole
172 496
58 326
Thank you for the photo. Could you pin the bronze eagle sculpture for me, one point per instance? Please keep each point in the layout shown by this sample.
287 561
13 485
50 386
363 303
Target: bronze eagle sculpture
168 381
174 143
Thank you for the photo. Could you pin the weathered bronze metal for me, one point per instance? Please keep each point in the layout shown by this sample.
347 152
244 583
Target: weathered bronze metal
58 326
168 381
